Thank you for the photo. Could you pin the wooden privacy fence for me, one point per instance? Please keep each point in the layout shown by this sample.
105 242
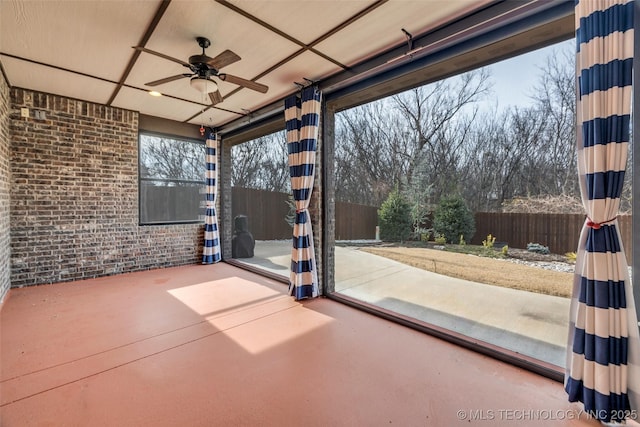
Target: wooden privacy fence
355 222
266 212
560 232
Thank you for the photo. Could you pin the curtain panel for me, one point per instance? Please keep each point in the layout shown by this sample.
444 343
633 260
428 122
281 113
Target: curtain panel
211 250
603 349
302 117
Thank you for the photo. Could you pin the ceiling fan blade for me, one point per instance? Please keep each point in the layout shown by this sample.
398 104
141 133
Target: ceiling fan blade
244 82
161 55
167 79
216 97
225 58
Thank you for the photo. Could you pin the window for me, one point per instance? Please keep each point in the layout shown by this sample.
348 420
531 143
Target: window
262 205
500 138
171 174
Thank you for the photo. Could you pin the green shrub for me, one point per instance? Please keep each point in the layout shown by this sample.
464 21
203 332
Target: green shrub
505 250
537 248
425 234
462 241
418 214
453 218
440 239
394 218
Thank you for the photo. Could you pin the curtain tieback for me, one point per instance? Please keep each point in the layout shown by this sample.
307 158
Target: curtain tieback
597 225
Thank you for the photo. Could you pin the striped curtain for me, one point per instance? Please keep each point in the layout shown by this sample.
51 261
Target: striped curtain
302 116
603 353
211 251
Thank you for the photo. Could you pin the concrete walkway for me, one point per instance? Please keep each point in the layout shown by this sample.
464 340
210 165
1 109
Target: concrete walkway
532 324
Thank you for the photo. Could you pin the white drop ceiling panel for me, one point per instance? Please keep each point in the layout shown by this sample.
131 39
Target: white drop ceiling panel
382 27
306 20
83 49
50 80
165 107
82 36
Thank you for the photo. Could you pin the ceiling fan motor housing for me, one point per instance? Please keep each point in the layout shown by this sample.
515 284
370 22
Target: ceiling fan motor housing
199 66
199 60
203 68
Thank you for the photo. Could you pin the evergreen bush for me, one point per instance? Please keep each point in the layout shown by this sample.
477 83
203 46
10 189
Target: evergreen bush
394 218
453 218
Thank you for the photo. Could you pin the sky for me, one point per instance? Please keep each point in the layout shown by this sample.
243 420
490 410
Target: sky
515 78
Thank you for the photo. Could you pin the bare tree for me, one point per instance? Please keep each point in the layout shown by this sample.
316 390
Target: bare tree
530 151
166 158
554 96
434 138
388 141
261 164
368 160
499 152
440 117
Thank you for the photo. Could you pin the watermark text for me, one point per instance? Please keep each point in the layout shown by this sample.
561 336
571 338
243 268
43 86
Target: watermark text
542 414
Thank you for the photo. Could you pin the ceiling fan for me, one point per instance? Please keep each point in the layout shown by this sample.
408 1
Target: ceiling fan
203 68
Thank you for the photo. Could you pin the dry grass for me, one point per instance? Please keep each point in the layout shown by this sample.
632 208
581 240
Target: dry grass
480 269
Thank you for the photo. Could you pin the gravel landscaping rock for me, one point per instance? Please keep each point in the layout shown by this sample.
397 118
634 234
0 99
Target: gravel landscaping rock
564 267
554 266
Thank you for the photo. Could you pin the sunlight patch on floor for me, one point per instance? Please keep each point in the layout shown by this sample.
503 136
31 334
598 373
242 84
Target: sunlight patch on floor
223 296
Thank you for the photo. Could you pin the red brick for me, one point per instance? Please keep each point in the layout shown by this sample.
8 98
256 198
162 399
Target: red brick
72 186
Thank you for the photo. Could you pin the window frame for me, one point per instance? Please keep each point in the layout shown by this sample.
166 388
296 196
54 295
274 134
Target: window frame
141 179
540 29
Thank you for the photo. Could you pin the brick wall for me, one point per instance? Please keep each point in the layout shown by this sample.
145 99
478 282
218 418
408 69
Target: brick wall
74 195
5 176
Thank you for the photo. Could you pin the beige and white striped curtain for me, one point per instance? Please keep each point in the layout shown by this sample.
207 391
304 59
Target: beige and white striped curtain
302 117
603 354
211 250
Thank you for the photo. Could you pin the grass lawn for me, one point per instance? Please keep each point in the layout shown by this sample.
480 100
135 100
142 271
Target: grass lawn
481 269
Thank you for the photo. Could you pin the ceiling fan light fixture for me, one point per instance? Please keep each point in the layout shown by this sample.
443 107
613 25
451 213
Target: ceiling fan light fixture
203 85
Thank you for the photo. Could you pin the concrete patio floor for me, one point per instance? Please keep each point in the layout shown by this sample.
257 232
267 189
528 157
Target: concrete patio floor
217 345
528 323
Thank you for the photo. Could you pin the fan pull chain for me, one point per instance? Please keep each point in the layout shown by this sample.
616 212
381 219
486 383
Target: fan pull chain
202 115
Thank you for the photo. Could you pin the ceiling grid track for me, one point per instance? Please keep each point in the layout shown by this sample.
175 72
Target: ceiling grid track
136 53
339 46
304 47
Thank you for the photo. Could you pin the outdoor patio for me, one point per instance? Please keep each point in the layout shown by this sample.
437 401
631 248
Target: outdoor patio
528 323
217 345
